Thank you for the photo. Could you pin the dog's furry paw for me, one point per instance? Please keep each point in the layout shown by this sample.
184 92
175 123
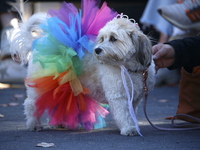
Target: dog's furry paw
37 128
33 124
129 131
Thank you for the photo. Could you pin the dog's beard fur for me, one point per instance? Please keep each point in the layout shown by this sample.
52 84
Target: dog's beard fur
120 42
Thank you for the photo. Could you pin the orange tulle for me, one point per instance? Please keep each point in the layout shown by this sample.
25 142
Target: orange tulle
43 85
68 110
69 34
62 105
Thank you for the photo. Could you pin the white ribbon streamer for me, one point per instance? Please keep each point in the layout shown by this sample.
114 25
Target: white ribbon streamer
130 97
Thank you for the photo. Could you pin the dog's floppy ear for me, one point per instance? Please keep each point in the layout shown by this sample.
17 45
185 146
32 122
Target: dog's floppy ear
143 49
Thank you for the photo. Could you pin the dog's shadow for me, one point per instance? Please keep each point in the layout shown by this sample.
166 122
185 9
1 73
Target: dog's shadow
81 132
110 127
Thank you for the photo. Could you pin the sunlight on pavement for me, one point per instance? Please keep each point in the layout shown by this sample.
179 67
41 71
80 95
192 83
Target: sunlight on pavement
17 86
4 86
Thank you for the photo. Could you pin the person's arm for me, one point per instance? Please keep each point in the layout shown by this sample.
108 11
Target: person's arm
187 52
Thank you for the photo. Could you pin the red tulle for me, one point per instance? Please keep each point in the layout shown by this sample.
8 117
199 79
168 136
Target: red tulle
62 96
66 109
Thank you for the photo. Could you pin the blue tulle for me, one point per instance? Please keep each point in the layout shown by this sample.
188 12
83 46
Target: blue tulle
69 35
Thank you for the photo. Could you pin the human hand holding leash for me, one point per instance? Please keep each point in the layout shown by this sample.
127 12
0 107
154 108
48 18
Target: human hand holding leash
163 55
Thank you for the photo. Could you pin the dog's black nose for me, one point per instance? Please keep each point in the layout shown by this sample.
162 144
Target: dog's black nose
98 50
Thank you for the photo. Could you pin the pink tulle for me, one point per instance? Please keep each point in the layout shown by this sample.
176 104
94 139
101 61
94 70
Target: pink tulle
79 28
93 18
93 111
66 109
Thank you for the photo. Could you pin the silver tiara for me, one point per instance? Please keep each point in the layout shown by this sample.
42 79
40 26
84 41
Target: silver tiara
126 17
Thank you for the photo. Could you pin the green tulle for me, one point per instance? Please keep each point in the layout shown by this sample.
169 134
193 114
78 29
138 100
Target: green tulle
55 57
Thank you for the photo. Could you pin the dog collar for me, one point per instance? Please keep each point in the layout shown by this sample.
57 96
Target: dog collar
135 70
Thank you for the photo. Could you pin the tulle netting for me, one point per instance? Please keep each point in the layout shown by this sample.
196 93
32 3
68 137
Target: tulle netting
69 34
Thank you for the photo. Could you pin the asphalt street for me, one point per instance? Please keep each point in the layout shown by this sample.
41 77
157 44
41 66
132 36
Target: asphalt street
162 102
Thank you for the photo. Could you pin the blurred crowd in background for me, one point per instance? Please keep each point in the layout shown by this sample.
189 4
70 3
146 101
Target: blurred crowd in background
161 20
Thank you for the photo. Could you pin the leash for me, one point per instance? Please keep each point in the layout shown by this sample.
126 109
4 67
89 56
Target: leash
130 96
178 127
132 112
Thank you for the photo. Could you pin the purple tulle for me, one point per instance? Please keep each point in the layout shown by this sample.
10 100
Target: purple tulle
74 30
93 17
63 12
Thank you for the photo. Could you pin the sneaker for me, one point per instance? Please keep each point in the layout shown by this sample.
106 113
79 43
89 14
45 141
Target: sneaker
185 15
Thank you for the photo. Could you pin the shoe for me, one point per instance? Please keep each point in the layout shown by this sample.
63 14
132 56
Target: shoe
185 15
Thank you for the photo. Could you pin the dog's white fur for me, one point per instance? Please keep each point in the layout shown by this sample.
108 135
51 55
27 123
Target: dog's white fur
120 42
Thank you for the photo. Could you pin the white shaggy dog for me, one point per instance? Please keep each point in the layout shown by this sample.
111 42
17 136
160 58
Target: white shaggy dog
119 43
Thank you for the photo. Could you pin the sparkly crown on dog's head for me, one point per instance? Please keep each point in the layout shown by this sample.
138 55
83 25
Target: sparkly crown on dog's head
126 17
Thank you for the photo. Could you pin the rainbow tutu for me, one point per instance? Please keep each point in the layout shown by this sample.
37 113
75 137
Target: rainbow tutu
68 34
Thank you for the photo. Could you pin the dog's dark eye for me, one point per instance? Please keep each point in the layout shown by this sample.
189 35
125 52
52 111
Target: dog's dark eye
113 39
101 40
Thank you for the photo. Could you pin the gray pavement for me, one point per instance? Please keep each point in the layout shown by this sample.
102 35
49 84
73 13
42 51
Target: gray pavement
162 102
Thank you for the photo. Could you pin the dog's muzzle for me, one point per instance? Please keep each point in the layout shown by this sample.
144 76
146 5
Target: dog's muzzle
98 51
